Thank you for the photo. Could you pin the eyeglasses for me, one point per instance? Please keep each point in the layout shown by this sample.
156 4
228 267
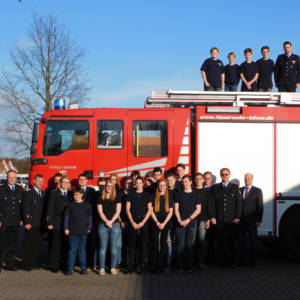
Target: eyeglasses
65 182
110 186
225 174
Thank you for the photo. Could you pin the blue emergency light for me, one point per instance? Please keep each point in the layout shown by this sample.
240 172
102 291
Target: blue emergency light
60 103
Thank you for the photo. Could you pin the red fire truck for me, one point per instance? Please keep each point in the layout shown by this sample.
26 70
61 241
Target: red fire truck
246 132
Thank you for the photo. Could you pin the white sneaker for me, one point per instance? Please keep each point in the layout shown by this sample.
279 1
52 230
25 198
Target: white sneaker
113 271
102 272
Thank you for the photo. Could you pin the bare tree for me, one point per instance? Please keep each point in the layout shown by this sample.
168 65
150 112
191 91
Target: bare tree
47 66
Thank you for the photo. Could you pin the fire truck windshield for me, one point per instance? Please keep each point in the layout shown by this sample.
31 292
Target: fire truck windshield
62 135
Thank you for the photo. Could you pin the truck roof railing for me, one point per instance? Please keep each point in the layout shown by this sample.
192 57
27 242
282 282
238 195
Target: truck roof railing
174 98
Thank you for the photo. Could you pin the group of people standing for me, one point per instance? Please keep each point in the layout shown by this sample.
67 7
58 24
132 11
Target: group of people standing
151 223
255 76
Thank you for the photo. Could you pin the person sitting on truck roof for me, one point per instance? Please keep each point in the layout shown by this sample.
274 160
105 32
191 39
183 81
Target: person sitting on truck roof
212 71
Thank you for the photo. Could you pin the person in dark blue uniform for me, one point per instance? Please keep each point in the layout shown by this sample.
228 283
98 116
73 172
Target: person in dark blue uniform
33 204
232 73
287 70
249 72
57 204
226 215
265 70
10 220
212 71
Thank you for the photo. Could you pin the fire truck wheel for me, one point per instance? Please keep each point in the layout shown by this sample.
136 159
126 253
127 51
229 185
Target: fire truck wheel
289 233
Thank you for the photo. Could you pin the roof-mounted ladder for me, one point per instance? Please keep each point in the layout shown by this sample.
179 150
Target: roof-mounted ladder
175 98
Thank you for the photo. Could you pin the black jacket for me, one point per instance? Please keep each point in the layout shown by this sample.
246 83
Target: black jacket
89 195
57 204
10 205
32 208
227 202
287 69
123 214
253 205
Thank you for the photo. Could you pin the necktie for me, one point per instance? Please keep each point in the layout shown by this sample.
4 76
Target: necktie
13 188
65 194
246 193
40 193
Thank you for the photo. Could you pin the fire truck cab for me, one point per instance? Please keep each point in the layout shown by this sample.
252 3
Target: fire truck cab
254 133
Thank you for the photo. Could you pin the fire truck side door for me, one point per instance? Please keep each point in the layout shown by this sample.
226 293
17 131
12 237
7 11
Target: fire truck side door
150 139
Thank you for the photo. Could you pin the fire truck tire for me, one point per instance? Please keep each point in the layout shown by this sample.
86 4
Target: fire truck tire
289 233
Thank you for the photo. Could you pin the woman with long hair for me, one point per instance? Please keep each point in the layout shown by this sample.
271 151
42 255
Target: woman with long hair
57 204
109 208
138 209
161 214
115 180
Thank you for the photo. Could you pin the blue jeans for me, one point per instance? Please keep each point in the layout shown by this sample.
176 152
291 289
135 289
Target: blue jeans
75 242
185 240
231 87
112 235
119 245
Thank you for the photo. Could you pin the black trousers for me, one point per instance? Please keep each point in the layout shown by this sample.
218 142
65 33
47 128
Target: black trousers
137 243
8 244
58 249
248 235
291 88
92 247
31 246
124 250
226 234
211 237
159 245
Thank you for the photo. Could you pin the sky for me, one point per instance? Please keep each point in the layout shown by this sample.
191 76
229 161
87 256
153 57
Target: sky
135 47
